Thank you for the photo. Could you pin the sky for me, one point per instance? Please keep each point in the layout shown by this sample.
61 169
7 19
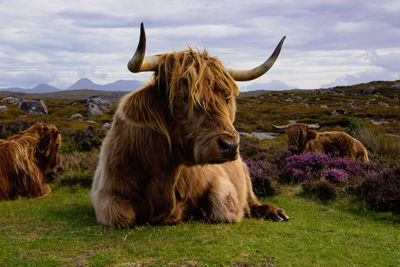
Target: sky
328 43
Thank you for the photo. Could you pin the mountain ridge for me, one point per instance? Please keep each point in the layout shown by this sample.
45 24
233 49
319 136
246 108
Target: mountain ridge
81 84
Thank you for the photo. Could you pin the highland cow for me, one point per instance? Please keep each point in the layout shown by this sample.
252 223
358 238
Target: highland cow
302 137
25 159
172 151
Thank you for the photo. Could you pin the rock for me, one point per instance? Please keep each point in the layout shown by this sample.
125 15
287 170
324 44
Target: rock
10 100
292 121
338 112
75 103
106 126
33 107
380 122
383 104
97 106
76 115
96 110
99 101
393 135
90 122
289 100
369 90
323 106
3 108
396 86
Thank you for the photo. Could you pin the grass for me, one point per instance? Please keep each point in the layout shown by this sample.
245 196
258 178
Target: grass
62 230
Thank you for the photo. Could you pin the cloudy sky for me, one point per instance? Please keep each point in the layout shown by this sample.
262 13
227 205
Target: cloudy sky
328 42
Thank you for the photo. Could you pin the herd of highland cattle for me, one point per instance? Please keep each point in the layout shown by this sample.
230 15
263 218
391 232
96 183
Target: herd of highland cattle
171 153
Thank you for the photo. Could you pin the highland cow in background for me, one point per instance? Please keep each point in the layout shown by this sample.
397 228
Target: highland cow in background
25 159
302 137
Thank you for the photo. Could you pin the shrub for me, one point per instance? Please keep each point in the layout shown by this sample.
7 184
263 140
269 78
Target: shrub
77 169
8 129
381 191
322 189
335 176
262 175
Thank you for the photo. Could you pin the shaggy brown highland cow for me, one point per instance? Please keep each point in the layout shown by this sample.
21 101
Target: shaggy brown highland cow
301 137
172 151
25 159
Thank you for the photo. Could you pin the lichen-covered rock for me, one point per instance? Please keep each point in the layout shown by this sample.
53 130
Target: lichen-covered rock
96 110
99 101
10 100
33 107
369 90
3 108
76 115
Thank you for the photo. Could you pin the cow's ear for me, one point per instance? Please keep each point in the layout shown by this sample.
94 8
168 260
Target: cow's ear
311 134
144 108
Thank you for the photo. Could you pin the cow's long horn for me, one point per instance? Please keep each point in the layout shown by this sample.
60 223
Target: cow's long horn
279 127
139 62
247 75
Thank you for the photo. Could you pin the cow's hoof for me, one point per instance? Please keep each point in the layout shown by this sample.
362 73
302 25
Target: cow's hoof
269 211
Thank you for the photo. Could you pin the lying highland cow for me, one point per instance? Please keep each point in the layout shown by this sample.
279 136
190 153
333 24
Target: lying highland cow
301 137
172 151
25 159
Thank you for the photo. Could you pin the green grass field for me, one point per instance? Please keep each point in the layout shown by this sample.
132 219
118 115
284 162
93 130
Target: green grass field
62 230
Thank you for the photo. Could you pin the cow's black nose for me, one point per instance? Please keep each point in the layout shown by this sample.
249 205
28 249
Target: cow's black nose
228 148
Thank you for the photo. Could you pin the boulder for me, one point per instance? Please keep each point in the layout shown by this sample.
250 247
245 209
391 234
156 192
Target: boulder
76 115
96 110
99 101
10 100
396 86
338 112
33 107
3 108
369 90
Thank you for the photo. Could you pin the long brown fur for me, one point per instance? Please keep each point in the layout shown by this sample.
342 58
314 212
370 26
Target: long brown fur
25 159
301 138
160 161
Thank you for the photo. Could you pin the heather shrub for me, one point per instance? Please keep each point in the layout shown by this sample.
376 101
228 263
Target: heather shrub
381 190
77 169
262 175
81 140
321 189
10 128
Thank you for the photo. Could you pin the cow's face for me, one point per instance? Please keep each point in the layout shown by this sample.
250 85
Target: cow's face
298 135
192 99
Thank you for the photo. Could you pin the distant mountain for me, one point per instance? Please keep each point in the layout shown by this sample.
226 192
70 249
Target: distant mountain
40 88
44 88
121 85
84 83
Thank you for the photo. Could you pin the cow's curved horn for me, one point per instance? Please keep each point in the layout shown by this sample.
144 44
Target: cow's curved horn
139 62
247 75
279 127
313 126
